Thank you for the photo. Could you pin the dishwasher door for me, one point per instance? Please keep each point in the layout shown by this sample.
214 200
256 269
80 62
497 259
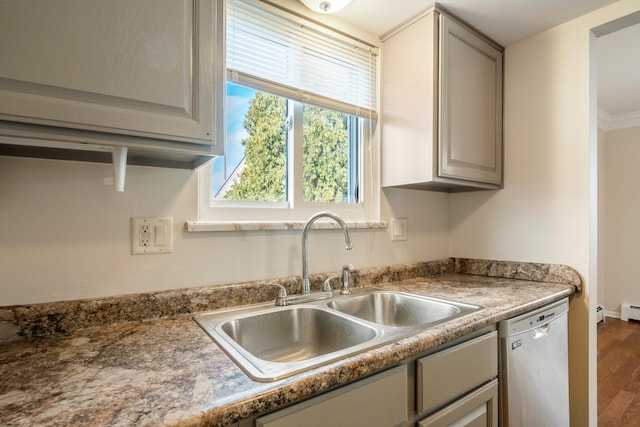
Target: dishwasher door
534 368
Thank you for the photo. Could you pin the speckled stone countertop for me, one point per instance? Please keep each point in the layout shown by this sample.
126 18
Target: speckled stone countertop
167 371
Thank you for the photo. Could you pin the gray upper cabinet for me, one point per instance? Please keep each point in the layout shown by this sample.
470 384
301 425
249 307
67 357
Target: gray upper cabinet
441 106
142 74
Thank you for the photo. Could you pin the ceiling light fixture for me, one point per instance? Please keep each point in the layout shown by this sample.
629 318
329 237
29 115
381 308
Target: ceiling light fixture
325 6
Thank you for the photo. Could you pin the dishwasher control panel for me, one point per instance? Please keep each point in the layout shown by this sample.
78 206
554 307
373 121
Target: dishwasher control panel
533 319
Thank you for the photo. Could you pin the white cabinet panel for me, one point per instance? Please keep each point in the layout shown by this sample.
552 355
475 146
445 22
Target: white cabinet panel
380 400
443 376
470 106
478 409
144 68
409 103
441 106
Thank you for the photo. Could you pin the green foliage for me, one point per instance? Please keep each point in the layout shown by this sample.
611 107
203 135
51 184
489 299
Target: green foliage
265 175
325 152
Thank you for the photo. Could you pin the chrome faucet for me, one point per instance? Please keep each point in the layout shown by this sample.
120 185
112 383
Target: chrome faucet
284 299
306 296
345 279
306 286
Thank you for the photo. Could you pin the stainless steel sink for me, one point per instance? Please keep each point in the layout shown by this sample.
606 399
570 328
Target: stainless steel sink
270 343
295 334
398 309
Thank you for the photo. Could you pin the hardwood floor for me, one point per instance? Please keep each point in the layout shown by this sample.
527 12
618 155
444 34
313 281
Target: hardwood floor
618 373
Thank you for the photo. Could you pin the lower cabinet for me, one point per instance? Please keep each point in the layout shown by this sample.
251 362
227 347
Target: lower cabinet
453 386
458 386
380 400
477 409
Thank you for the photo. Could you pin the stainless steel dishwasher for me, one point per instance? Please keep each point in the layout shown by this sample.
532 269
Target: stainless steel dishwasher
534 368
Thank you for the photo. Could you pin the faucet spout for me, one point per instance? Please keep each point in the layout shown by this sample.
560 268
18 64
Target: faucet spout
306 286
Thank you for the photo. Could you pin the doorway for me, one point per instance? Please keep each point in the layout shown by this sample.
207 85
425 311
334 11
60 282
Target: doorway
615 236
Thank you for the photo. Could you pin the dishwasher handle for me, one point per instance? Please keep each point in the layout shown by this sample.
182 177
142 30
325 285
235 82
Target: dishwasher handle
541 331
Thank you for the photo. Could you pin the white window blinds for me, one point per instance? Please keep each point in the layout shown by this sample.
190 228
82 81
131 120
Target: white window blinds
274 51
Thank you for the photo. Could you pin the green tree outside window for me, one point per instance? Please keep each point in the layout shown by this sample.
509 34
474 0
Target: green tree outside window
325 153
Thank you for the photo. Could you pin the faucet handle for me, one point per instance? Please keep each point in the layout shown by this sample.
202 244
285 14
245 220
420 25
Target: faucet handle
281 299
345 279
326 287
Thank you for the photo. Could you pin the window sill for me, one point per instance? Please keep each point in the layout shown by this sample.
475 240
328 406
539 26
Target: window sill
201 226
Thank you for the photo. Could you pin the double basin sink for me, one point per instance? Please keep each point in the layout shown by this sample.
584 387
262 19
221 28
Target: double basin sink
269 343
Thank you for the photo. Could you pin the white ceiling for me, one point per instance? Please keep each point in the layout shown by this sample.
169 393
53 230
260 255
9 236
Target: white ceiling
509 21
505 21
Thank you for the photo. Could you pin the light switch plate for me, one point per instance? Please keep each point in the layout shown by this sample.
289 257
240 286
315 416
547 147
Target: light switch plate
151 235
398 229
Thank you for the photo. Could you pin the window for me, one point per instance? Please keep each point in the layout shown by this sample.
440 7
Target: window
300 116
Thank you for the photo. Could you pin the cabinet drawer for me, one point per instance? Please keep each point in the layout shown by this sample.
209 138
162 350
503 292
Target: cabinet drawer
380 400
443 376
479 408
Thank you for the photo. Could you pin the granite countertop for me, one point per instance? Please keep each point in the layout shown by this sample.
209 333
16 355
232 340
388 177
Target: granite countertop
168 371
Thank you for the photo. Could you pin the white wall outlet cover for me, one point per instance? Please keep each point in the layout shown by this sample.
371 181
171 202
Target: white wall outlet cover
398 229
151 235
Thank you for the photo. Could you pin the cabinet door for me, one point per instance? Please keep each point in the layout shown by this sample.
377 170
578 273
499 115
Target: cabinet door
470 105
478 409
380 400
443 376
142 68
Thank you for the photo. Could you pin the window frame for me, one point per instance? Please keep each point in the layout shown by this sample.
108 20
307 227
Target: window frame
367 207
296 207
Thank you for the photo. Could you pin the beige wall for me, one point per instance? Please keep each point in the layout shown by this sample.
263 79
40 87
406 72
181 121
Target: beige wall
65 235
622 224
545 212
